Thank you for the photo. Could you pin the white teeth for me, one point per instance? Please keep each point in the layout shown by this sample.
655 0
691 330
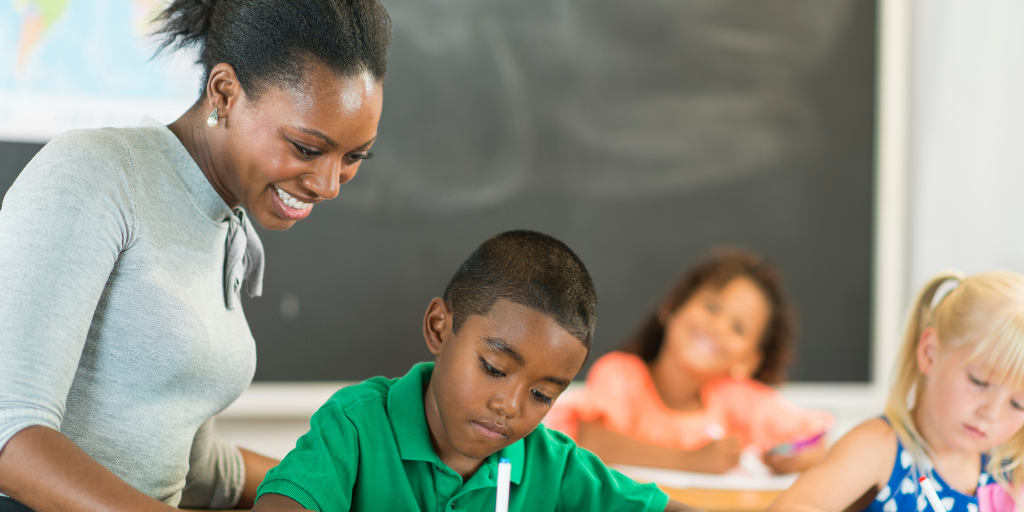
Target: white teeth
291 201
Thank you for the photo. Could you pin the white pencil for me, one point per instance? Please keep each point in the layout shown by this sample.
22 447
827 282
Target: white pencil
929 492
504 478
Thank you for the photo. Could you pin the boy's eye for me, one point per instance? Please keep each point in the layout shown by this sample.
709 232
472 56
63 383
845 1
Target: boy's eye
541 397
977 382
490 370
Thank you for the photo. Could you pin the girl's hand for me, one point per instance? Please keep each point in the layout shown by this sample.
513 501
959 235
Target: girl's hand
799 461
718 456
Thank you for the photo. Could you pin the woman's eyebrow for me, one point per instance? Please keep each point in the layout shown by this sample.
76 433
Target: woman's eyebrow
318 134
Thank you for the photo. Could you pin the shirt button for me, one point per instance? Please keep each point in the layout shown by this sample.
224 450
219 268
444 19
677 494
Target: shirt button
438 468
455 504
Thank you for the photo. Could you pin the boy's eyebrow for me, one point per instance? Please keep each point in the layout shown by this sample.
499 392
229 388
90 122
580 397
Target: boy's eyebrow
499 345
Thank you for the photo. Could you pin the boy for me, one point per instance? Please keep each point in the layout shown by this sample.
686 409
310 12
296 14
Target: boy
514 327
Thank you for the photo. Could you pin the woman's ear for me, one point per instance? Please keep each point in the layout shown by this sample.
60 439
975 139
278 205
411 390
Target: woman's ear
437 325
222 89
927 350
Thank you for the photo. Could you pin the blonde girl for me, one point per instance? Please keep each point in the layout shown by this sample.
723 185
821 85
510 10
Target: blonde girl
954 412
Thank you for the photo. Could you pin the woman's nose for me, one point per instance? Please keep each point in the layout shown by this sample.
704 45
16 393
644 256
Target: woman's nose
326 181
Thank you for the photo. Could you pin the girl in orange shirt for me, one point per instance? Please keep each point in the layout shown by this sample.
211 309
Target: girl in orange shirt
692 389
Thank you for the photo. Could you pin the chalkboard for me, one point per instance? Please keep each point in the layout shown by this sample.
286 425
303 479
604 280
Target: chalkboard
641 133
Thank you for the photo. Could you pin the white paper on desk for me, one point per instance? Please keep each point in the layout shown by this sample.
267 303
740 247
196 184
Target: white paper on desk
750 475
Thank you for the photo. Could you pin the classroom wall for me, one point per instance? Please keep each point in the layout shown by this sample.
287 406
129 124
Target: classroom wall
966 131
966 121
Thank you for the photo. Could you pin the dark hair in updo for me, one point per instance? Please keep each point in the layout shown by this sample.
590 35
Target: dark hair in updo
274 42
716 271
531 269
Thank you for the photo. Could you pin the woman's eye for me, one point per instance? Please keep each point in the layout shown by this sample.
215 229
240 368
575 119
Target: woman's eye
541 397
490 370
306 152
977 382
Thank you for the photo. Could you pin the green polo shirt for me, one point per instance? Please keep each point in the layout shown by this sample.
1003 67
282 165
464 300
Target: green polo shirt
368 448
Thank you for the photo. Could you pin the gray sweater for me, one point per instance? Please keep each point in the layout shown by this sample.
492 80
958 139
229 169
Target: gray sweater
114 325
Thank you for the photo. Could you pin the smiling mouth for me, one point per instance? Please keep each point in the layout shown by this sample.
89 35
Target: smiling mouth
491 430
290 201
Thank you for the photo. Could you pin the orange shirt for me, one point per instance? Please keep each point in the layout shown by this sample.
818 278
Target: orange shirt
620 392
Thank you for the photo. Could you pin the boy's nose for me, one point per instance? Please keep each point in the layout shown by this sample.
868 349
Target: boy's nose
507 404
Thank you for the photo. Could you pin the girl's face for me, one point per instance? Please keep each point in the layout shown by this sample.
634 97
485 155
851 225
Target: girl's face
717 330
961 407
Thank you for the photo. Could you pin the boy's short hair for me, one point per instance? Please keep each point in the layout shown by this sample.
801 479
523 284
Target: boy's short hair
531 269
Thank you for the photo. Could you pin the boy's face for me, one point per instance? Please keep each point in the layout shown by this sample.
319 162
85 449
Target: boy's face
494 381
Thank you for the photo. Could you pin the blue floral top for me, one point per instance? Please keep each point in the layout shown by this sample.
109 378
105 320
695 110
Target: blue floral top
902 493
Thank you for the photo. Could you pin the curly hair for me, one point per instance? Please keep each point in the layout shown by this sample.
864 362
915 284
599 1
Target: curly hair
717 270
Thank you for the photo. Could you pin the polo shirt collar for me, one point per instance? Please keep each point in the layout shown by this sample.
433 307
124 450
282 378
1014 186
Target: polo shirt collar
516 454
409 423
408 418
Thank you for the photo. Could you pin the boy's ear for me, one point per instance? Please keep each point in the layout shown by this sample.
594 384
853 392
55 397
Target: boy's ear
437 325
927 350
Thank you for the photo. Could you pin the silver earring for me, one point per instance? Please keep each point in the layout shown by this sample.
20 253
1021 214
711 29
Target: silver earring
212 120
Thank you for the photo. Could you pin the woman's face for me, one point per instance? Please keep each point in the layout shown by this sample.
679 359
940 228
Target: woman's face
294 147
717 330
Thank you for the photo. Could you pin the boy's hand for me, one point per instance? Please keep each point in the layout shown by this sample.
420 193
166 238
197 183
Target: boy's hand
718 456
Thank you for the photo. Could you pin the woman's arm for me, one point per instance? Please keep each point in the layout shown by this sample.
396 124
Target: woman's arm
45 471
858 464
615 448
271 502
256 467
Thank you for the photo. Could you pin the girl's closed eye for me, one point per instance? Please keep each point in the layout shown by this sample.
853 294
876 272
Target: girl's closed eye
976 381
1016 404
490 370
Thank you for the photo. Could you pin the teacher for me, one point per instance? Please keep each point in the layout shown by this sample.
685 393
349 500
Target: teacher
123 253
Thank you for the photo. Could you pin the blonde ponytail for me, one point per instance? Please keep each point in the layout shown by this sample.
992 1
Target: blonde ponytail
907 376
